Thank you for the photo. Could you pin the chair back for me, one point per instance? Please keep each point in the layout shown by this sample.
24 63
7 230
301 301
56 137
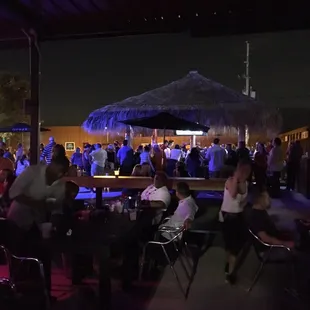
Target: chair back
3 231
174 233
8 295
259 246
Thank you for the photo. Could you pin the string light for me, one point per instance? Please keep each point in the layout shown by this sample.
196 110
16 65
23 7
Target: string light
179 16
197 14
162 17
145 19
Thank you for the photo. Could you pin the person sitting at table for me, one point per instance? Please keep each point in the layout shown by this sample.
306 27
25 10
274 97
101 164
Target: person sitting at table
137 171
157 195
146 170
37 191
186 209
5 163
180 171
261 224
58 151
7 178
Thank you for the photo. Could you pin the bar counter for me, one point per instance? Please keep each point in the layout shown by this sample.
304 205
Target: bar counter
198 184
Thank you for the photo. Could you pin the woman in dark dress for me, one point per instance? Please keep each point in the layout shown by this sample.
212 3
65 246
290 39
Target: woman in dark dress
193 163
260 166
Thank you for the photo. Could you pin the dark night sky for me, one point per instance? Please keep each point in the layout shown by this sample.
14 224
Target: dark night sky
80 76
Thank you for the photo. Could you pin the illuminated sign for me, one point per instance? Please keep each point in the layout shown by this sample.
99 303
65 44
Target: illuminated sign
189 133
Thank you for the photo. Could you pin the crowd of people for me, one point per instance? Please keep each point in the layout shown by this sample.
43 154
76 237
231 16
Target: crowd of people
270 163
40 191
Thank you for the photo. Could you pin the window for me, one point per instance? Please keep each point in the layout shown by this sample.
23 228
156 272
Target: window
305 135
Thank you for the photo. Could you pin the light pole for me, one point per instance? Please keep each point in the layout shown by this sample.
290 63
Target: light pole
243 133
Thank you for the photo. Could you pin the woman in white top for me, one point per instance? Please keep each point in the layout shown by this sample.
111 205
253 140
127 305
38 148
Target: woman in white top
21 165
231 214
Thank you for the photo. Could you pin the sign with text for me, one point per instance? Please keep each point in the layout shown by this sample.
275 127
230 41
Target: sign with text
189 133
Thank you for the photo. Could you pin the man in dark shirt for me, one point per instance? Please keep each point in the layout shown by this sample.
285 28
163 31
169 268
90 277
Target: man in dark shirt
264 228
232 158
243 153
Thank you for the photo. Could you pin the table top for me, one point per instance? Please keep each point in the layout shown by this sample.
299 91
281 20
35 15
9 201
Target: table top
143 182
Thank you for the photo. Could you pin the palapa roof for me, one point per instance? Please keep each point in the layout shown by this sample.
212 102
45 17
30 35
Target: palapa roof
194 98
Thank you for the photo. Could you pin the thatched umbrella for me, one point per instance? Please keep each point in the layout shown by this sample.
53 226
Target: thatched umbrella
194 98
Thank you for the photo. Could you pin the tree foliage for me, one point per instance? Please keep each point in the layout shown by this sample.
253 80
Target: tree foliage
14 89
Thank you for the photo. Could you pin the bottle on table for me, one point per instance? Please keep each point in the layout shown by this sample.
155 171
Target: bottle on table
138 201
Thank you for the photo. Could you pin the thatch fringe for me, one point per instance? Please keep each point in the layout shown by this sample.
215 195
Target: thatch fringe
194 98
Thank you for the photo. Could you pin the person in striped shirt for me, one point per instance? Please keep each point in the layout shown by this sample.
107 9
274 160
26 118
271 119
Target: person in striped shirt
47 153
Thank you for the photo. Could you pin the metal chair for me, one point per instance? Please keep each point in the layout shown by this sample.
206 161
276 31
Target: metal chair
176 241
264 257
8 294
15 272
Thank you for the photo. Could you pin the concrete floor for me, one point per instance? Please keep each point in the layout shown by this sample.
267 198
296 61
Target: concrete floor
208 290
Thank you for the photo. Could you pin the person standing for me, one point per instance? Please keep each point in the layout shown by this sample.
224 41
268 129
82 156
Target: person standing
7 153
145 157
294 155
216 157
232 158
260 166
47 152
34 194
275 166
193 163
175 156
77 158
243 153
21 165
231 215
111 156
19 152
98 160
167 148
125 159
86 159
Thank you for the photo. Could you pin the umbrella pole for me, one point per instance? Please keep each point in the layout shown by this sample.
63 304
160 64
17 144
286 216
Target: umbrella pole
163 153
164 138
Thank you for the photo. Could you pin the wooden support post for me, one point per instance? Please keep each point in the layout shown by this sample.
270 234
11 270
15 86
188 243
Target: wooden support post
34 99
